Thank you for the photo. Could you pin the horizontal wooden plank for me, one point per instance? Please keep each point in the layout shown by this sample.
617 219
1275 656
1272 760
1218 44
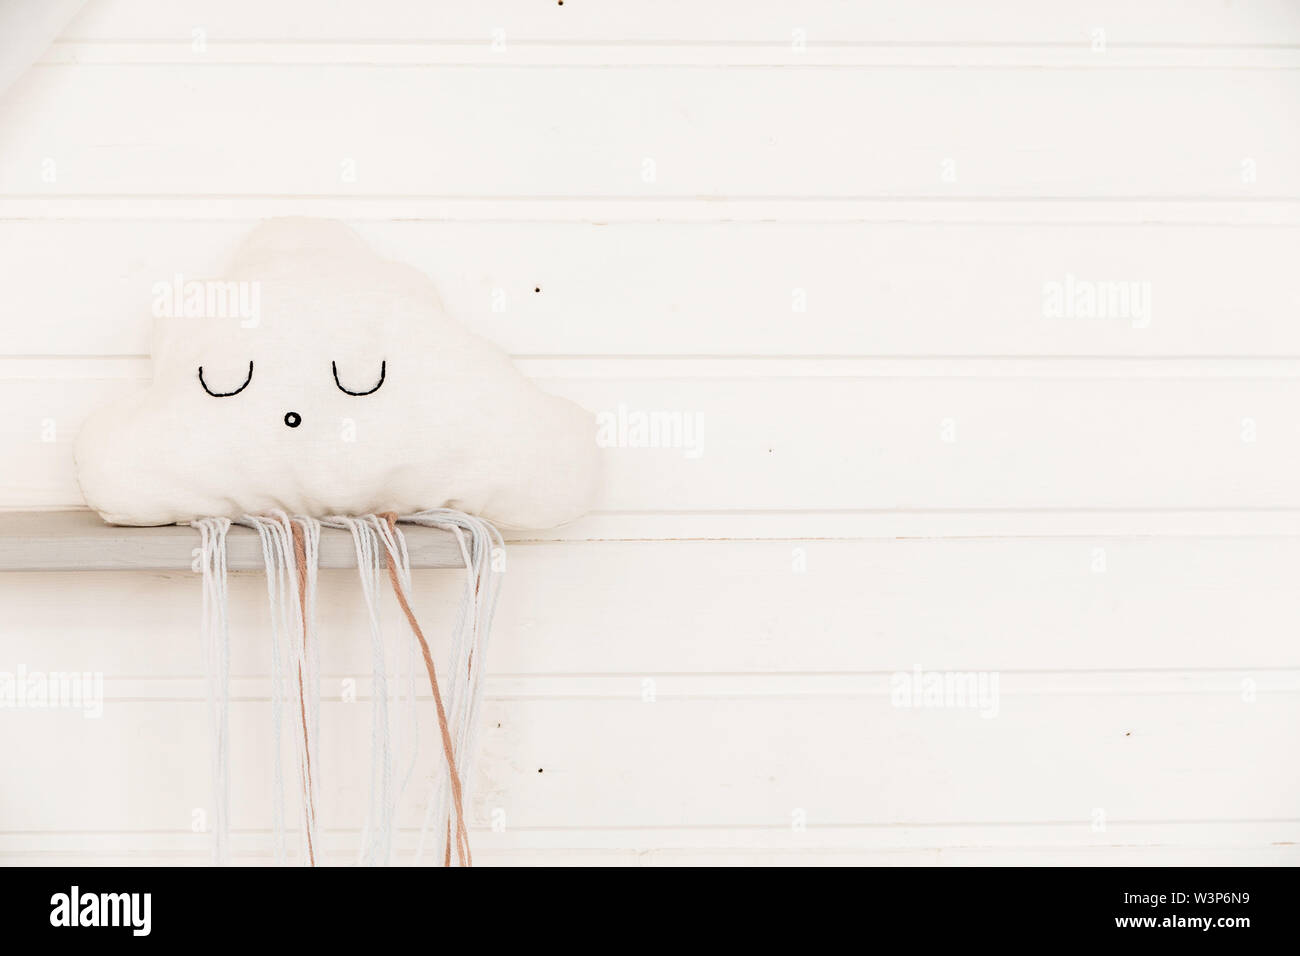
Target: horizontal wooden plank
851 444
764 368
677 21
939 856
688 763
724 289
954 444
789 54
649 133
1187 844
640 210
926 523
80 541
1117 609
1240 681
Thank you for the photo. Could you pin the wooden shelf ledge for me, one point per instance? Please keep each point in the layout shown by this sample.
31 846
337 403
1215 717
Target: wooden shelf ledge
81 541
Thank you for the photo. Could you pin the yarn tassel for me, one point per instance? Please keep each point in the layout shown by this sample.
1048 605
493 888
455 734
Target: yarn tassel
377 834
305 535
480 545
216 654
290 554
399 575
408 737
272 560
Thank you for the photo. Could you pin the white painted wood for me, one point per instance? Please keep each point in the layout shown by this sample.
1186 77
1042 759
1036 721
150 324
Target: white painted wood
1191 210
650 133
827 443
926 523
1121 843
670 22
1112 530
612 55
738 289
1153 608
939 856
706 762
1240 682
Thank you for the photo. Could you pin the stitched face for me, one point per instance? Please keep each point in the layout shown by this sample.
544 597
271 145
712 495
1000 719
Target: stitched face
348 392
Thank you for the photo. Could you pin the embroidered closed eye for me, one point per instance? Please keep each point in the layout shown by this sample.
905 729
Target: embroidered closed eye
383 372
226 394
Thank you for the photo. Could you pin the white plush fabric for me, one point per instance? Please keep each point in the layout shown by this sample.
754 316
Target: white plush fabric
453 425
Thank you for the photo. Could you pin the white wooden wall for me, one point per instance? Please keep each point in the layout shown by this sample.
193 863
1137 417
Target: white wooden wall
839 264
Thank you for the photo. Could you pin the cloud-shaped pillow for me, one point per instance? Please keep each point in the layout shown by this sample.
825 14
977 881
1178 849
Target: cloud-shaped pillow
331 383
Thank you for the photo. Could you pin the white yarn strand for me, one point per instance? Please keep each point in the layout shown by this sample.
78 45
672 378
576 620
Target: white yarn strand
287 662
216 654
377 834
311 677
311 555
271 560
410 667
300 671
469 657
295 650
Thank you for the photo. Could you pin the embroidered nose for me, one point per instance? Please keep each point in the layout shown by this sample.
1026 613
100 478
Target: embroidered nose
293 419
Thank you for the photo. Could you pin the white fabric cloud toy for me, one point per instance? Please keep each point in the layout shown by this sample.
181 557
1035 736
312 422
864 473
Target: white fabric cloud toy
344 389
